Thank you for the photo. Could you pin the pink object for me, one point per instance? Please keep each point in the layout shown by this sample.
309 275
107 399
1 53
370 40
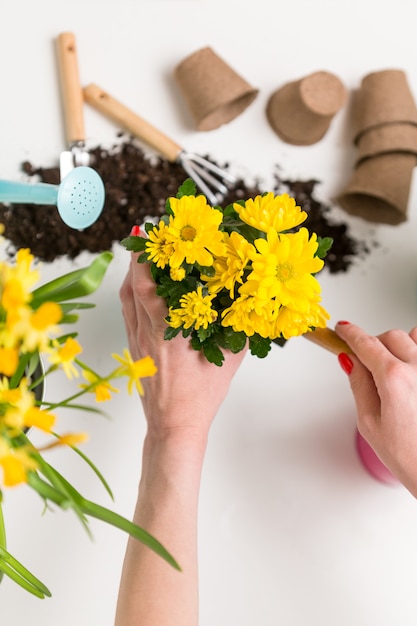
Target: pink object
372 463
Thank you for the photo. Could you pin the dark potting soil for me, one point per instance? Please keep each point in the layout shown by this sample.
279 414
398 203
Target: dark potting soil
137 186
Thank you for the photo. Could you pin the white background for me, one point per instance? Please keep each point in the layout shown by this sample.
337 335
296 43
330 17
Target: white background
292 529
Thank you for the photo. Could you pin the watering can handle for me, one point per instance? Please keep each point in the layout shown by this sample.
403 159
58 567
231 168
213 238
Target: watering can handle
126 118
72 95
328 339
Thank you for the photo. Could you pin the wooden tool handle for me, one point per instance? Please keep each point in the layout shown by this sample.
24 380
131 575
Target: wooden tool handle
72 95
327 338
126 118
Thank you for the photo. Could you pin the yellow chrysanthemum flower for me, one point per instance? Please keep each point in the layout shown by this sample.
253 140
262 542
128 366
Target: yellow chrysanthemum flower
102 388
159 246
194 231
229 268
292 323
177 273
195 310
243 317
15 463
64 355
264 212
283 269
135 370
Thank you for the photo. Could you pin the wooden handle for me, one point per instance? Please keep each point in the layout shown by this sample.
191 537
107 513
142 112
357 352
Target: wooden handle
327 338
126 118
72 95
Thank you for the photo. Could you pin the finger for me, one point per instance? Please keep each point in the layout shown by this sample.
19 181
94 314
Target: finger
400 344
369 350
413 334
367 400
144 291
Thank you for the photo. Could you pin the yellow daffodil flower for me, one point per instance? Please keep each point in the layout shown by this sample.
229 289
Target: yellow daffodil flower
64 355
102 388
135 370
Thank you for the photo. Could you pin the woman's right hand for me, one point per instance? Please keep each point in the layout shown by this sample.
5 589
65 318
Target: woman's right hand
383 376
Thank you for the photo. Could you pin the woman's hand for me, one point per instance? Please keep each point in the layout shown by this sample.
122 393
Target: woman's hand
187 390
383 377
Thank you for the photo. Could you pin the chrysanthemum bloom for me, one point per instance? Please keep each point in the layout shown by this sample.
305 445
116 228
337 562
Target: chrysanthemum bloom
282 269
102 388
159 245
135 370
195 310
177 273
292 323
64 355
194 231
241 315
264 212
15 463
229 269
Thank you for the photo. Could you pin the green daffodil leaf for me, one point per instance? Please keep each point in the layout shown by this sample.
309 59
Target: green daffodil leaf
76 284
22 576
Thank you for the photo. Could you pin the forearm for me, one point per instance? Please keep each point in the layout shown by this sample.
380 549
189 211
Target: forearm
151 591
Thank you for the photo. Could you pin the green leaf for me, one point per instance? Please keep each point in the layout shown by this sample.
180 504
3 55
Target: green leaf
70 319
325 243
205 333
105 515
21 575
24 360
213 353
188 188
76 284
234 341
171 332
67 307
64 495
280 341
259 346
134 244
95 470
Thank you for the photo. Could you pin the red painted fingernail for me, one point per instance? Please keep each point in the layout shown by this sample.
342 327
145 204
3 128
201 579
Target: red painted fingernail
345 362
135 232
343 323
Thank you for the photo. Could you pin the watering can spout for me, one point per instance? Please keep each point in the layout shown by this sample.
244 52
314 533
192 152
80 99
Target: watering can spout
27 193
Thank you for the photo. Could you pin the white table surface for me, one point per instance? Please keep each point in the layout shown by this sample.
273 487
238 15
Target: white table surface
293 531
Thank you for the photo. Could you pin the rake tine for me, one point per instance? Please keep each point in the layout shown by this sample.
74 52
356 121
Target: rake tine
210 166
192 173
